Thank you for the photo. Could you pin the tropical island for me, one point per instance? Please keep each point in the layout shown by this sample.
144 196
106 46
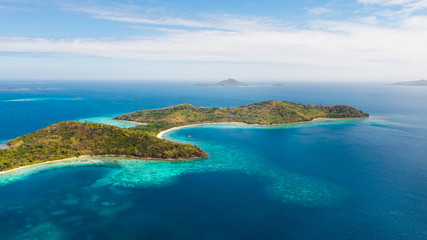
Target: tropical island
225 83
262 113
412 83
73 139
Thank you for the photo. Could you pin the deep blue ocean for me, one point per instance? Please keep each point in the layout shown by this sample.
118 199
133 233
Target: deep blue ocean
341 179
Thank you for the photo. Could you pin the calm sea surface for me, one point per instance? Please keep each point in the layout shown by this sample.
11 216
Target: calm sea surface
346 179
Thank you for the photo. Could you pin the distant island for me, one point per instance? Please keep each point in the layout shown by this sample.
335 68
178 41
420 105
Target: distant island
14 88
412 83
73 139
225 83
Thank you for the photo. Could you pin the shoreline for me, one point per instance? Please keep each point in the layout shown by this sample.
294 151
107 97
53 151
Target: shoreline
127 121
103 156
100 120
4 145
42 163
162 133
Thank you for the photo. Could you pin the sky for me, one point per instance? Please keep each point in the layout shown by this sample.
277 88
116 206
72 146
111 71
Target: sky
197 40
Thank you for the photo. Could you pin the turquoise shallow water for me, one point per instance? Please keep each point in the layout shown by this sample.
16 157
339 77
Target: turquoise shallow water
332 179
110 121
3 144
289 187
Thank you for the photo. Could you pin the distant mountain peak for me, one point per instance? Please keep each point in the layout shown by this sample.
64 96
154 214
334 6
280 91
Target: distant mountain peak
412 83
225 83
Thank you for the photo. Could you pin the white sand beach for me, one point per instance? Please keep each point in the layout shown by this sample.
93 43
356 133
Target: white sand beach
43 163
162 133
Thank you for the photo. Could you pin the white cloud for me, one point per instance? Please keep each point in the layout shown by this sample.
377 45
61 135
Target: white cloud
329 43
319 10
416 23
336 49
126 17
387 2
418 5
408 7
207 21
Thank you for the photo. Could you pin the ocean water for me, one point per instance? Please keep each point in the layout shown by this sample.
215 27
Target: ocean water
332 179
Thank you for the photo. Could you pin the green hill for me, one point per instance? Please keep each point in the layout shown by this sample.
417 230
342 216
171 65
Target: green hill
72 139
263 113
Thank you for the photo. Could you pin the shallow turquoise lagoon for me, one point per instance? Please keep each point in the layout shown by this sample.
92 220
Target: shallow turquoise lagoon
331 179
110 121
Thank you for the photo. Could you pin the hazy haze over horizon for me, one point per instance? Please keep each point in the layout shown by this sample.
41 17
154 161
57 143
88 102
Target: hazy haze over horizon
271 40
